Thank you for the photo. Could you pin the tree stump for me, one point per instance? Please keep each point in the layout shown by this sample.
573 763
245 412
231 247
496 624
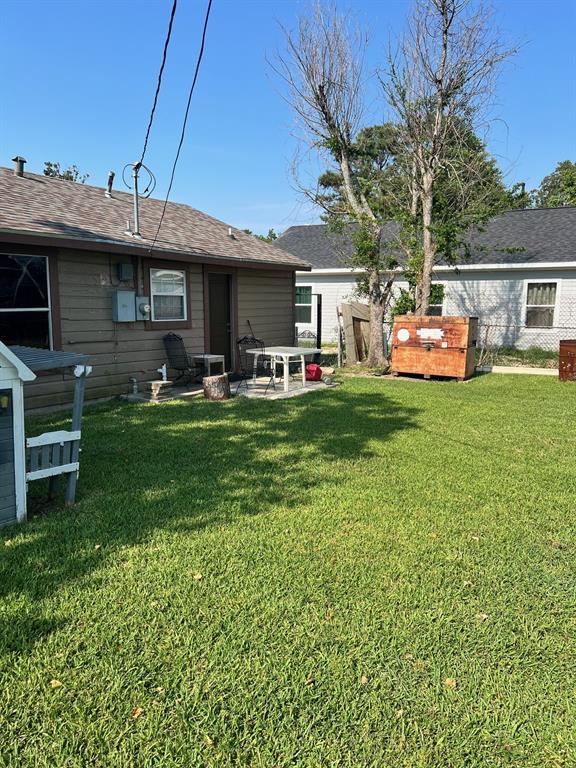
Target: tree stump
216 387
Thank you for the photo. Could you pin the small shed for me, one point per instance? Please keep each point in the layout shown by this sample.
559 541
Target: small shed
44 456
13 374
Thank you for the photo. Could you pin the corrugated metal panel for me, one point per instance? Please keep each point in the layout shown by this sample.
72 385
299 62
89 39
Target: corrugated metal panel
48 360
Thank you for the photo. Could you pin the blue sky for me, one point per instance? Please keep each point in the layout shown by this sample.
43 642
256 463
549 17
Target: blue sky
78 78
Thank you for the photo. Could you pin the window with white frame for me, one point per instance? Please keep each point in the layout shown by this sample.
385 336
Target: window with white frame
540 304
25 300
168 294
303 303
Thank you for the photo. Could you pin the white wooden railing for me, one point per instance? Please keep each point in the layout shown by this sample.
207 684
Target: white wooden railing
52 453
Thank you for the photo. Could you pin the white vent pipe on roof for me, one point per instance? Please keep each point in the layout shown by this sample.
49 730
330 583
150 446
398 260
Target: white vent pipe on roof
18 165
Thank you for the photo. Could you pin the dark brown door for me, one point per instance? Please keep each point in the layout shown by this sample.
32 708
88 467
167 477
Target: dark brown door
220 316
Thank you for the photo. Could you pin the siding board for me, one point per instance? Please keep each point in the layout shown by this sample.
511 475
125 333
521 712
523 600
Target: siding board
87 282
495 297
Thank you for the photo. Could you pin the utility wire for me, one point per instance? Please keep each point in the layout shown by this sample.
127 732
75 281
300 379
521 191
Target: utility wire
159 83
185 121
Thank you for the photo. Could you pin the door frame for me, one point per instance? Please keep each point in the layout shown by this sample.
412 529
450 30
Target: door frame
232 272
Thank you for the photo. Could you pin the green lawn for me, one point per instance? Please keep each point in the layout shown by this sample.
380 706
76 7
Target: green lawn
383 574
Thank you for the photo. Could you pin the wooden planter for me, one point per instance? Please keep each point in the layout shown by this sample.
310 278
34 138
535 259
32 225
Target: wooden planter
434 346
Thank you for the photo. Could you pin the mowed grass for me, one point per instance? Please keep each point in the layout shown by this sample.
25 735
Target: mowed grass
383 574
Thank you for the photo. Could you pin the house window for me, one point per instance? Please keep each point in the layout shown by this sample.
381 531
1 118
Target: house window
24 301
540 305
436 305
303 303
168 294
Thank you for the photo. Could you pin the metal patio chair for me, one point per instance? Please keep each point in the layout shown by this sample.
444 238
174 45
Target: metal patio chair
187 368
303 339
246 362
307 339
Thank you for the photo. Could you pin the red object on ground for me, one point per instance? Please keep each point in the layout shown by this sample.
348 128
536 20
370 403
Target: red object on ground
313 372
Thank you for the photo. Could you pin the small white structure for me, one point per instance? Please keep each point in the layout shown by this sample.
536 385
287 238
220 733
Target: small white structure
13 374
45 456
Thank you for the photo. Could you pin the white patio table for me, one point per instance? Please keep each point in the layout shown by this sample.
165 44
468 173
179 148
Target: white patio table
285 354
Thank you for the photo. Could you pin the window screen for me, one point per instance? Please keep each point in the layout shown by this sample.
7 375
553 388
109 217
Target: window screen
540 304
168 293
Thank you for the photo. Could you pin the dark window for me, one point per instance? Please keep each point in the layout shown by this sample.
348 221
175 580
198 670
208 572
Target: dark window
303 304
436 306
24 300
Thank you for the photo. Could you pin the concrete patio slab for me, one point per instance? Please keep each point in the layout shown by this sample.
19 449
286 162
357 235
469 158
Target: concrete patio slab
295 389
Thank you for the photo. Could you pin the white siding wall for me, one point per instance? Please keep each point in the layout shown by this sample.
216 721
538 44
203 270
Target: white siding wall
496 297
335 289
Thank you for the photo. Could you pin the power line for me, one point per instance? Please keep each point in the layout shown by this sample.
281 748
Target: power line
185 121
159 83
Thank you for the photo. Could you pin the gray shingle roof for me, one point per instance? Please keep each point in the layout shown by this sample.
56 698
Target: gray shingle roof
539 235
80 214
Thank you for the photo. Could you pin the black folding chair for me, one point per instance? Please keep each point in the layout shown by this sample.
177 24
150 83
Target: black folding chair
303 339
307 339
179 360
253 364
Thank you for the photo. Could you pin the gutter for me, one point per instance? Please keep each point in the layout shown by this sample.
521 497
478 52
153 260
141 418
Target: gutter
536 265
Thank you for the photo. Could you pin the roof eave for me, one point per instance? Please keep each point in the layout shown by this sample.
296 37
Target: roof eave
23 237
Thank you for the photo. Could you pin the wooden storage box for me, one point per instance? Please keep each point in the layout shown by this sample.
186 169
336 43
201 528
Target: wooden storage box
567 361
434 346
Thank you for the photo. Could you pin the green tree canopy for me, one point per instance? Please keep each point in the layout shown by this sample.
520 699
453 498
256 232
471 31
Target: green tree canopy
558 188
470 189
269 238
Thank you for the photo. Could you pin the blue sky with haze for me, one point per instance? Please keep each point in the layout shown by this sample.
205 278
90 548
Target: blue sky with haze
78 79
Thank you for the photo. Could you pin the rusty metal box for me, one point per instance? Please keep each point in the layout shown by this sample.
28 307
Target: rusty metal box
434 346
567 361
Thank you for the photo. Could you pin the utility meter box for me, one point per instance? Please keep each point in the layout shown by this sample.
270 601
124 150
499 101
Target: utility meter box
143 308
124 306
125 271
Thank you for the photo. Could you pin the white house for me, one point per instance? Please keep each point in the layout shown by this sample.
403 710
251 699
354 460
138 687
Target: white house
519 278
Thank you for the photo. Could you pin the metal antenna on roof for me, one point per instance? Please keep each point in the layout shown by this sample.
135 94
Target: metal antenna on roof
136 167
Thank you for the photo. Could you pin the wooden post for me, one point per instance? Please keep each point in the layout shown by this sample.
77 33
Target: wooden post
318 325
216 387
80 372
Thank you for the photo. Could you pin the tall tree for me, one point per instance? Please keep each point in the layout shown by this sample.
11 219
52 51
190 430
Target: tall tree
323 68
558 188
459 203
439 84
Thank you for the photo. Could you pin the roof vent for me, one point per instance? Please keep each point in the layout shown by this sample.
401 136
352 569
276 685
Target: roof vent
109 183
18 165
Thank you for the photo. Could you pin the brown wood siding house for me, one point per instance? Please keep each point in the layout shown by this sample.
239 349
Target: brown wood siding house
61 247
